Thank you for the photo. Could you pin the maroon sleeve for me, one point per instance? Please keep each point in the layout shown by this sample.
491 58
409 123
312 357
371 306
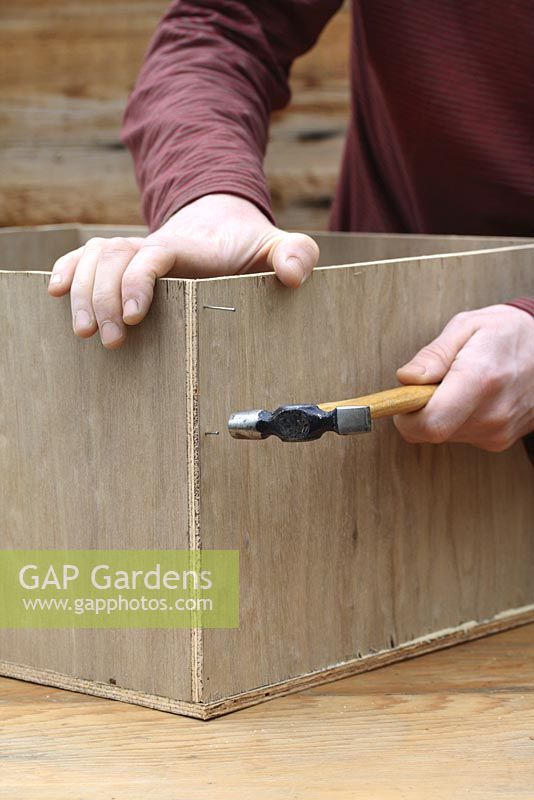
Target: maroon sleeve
524 303
197 119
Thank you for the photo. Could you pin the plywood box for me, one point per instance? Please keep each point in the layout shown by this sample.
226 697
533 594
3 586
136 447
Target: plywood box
354 551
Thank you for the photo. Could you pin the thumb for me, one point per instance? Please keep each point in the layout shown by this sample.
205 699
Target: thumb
294 257
431 363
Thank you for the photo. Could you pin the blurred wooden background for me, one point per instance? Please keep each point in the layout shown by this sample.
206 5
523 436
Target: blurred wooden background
66 67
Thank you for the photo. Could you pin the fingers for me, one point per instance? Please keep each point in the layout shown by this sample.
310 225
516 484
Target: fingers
152 261
112 262
95 287
294 258
65 267
111 284
63 273
465 387
81 291
431 363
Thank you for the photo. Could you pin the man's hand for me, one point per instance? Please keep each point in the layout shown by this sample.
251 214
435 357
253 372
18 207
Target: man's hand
485 361
111 281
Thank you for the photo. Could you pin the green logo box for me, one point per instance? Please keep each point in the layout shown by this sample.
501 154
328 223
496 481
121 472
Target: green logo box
119 589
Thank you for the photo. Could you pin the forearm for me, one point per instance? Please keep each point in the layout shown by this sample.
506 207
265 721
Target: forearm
197 120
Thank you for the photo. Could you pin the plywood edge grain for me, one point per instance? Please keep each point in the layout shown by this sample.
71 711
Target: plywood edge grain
529 245
424 644
414 237
69 683
205 711
193 465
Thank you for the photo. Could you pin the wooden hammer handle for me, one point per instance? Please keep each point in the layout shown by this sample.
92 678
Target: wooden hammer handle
400 400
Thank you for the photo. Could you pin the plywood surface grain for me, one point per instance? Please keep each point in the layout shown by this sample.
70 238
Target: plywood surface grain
93 454
350 248
358 544
449 726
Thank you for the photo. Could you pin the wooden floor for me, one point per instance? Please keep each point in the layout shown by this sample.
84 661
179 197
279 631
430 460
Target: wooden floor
454 724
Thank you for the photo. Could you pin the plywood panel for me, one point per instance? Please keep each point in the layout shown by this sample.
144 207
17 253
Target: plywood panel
93 454
351 248
350 545
35 248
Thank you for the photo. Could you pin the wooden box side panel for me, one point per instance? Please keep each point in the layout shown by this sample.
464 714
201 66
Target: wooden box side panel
93 454
353 248
86 232
36 248
350 545
350 248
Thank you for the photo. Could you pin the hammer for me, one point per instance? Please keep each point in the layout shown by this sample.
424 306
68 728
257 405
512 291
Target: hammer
306 422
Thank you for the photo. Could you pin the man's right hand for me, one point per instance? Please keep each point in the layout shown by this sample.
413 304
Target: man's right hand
111 281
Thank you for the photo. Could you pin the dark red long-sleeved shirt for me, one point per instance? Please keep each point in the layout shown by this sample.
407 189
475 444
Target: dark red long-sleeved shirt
441 134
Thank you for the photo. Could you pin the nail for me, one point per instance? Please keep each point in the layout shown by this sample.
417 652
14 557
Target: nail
110 333
82 320
57 277
415 369
295 264
131 308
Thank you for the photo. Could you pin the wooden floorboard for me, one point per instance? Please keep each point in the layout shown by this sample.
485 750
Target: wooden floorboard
453 724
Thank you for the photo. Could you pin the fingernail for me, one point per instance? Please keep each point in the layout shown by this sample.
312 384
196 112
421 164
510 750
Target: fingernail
415 369
295 265
131 308
82 320
56 278
109 333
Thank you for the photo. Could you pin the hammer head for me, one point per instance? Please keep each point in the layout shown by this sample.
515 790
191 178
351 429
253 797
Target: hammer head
299 423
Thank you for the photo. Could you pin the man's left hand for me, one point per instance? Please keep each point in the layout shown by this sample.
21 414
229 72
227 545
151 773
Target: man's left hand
485 362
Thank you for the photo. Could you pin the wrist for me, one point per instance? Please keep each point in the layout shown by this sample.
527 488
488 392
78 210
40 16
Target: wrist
523 304
220 206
